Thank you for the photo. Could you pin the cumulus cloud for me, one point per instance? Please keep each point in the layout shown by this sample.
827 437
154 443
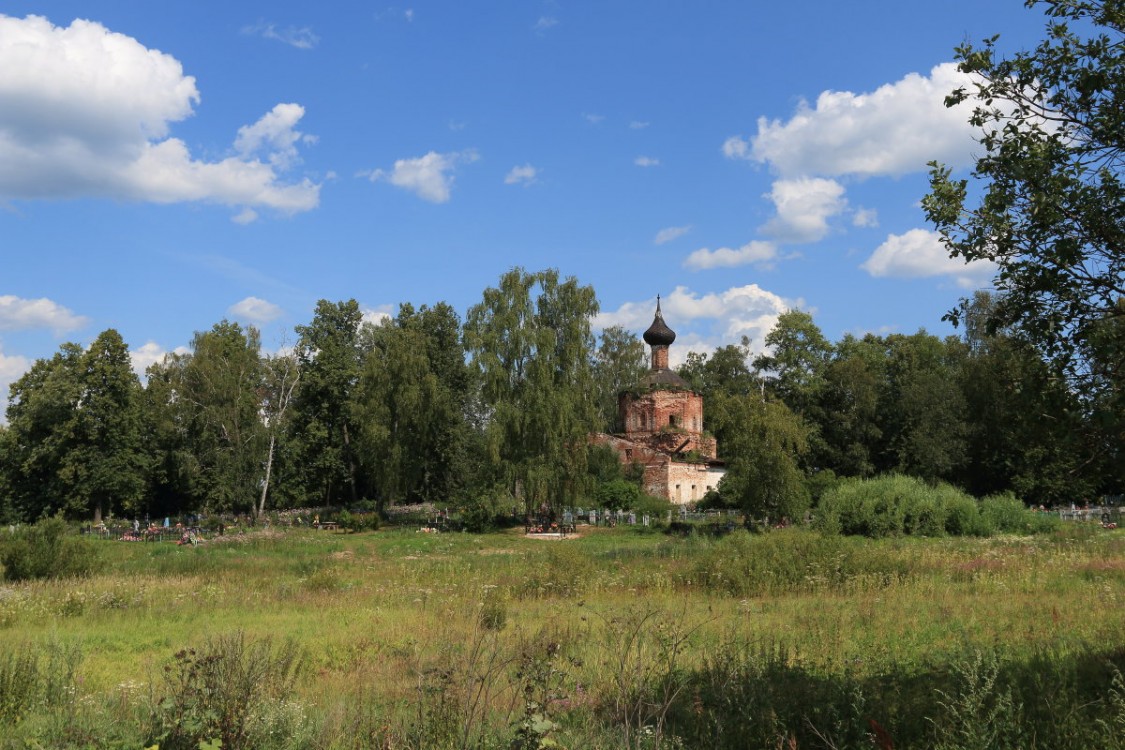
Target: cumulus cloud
762 253
85 111
804 207
893 130
704 322
255 310
299 37
524 175
646 161
18 314
144 357
670 233
430 177
919 254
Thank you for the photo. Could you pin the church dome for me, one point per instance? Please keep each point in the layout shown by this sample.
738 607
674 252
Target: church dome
659 334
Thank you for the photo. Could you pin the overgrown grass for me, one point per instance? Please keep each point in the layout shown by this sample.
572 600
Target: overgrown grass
618 638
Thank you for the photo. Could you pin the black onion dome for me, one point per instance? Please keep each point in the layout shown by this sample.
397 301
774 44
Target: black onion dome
659 334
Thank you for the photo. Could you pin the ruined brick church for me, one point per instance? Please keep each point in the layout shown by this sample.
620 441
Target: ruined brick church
662 418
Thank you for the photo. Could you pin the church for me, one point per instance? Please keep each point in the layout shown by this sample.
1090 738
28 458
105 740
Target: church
662 418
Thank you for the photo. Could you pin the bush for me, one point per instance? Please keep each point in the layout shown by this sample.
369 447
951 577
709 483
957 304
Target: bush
896 505
485 510
46 550
618 494
1006 513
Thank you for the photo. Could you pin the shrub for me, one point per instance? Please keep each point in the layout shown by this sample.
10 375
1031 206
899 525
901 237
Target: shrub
895 505
484 510
618 494
1006 513
46 550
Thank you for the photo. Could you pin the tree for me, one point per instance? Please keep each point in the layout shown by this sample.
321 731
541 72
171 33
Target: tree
107 467
74 433
1051 206
848 406
618 364
795 365
322 425
411 400
220 396
763 443
922 409
281 376
1025 426
531 344
726 370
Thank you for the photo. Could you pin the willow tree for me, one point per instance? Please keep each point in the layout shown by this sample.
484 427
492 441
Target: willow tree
411 403
531 343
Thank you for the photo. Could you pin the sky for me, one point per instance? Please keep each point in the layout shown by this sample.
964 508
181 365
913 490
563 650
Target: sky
165 166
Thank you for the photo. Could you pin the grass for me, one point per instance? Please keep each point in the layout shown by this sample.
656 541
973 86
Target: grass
620 638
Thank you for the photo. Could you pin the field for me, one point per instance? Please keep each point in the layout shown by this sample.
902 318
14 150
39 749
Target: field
618 638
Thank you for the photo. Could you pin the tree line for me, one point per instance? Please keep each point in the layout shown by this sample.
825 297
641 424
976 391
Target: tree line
495 411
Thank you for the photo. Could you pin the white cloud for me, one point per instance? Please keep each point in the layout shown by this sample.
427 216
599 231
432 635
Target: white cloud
377 315
736 147
430 177
804 206
245 216
919 254
705 321
865 218
670 233
593 119
18 314
301 38
638 125
255 310
893 130
12 368
763 253
274 136
646 161
86 112
545 22
149 354
525 175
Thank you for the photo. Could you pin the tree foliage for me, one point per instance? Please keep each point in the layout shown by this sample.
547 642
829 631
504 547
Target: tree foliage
531 344
323 420
1051 207
75 431
764 442
411 402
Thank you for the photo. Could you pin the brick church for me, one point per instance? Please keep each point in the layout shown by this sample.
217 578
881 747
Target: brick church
662 419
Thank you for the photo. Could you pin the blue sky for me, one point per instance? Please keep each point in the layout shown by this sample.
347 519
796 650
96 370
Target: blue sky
167 165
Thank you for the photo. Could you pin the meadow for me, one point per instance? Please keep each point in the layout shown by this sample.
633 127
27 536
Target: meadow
618 638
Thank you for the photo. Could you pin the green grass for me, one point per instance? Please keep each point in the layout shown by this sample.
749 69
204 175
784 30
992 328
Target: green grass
621 638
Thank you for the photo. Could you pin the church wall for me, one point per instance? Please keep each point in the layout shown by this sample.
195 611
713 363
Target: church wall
664 419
